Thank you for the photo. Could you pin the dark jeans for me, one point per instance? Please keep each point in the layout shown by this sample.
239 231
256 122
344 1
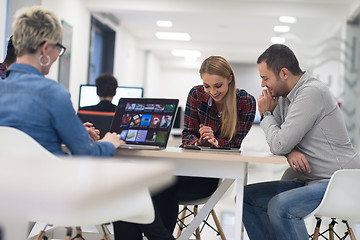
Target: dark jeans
193 188
166 204
160 229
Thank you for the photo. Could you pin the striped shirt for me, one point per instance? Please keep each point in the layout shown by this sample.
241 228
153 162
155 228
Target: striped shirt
201 110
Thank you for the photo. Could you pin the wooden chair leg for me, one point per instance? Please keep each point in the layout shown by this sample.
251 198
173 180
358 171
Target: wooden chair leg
40 235
68 233
79 234
197 231
351 234
105 231
331 229
181 225
218 225
350 231
317 229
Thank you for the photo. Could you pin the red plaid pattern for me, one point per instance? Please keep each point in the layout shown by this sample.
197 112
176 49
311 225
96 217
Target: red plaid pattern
199 110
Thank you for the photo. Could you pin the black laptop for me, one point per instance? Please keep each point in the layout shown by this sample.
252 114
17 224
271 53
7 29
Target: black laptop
144 123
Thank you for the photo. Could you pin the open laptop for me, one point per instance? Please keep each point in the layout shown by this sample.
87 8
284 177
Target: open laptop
144 123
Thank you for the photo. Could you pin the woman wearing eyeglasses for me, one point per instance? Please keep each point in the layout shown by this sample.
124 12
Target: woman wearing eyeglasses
40 106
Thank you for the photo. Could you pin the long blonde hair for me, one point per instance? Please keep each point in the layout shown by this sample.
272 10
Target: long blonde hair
217 65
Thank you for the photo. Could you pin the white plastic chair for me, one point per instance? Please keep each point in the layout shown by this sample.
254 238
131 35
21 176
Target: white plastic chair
340 201
28 169
17 143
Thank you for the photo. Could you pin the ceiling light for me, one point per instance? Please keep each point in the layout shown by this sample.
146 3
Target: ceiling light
185 53
191 58
279 40
281 28
173 36
189 55
287 19
163 23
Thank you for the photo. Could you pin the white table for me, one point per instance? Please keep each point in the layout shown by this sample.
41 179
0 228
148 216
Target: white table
76 191
231 166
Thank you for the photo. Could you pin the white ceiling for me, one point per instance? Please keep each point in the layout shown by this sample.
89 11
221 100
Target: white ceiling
239 30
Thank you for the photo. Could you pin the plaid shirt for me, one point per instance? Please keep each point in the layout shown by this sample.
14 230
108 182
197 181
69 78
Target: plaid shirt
200 109
2 70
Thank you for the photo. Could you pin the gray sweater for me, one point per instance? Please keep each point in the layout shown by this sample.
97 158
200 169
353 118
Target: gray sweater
309 120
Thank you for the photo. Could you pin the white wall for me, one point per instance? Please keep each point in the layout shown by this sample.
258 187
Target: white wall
75 14
129 62
3 8
177 82
151 76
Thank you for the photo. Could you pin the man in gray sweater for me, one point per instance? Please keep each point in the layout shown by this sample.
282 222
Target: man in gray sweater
301 120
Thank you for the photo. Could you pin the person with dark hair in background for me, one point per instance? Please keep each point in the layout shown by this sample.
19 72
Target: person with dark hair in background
106 85
9 59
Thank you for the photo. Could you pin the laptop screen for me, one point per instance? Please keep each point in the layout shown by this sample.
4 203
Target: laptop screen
145 121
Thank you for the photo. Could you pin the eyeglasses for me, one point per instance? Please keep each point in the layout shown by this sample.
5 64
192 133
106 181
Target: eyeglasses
61 49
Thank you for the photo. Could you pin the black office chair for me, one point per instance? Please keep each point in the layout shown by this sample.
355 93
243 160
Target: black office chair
101 120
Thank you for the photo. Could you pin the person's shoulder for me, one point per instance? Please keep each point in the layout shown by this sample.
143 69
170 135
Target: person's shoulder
54 89
56 85
102 106
88 108
197 92
313 86
242 94
197 89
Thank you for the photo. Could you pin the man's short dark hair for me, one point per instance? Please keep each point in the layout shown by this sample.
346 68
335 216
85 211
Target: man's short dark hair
279 56
106 85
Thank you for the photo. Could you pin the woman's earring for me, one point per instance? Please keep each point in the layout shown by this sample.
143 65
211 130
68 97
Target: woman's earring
44 64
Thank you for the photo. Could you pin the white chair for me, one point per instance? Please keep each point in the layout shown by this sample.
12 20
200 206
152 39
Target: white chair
38 186
340 201
17 143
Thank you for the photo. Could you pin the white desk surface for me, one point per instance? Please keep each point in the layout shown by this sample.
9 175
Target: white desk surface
76 191
227 165
174 153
